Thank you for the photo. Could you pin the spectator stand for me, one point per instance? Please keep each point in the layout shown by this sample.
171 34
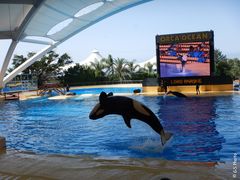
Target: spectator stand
198 52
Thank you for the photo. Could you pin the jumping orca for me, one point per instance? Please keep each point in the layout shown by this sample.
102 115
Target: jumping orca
129 109
175 93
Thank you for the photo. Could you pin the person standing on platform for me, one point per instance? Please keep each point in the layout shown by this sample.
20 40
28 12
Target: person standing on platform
165 86
197 89
67 88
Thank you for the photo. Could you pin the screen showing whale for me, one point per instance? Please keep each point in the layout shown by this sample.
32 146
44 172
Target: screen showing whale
184 55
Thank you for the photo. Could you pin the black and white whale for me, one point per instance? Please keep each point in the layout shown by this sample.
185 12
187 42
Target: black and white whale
175 93
129 109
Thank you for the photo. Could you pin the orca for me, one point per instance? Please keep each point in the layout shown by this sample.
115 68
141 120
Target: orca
128 109
175 93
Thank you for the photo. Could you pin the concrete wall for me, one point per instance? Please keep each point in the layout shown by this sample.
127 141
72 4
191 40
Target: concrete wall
151 89
221 87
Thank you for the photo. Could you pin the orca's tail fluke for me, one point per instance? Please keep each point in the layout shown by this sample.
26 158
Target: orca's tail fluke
165 136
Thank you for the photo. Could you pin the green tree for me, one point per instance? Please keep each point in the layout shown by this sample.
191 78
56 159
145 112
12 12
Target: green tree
47 68
219 56
132 66
225 66
121 70
79 74
98 68
18 60
109 65
149 68
140 74
222 67
235 68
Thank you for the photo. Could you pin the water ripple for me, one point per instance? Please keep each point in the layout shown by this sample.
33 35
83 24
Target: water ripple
204 128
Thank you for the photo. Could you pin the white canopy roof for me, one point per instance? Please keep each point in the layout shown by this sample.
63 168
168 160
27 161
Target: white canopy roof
50 22
94 56
153 61
55 19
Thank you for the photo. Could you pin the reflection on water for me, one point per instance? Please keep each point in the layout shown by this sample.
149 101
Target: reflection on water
204 128
192 121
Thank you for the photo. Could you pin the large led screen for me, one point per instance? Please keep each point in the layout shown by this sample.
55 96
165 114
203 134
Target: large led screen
184 59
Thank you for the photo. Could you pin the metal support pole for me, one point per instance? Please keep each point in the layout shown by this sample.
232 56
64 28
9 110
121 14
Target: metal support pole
6 61
29 62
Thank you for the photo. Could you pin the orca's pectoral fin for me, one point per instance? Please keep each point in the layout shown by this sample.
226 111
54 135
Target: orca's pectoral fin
127 121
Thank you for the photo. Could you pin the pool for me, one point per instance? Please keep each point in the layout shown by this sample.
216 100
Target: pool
205 128
99 90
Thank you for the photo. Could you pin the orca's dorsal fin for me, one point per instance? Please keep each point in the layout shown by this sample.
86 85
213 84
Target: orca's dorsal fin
127 121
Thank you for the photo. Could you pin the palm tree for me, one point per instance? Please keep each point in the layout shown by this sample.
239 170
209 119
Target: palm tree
121 70
149 68
132 67
98 67
109 65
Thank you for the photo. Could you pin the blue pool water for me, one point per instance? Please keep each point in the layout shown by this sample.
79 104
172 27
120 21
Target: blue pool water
204 128
99 90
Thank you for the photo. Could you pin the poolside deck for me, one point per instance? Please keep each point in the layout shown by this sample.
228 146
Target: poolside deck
192 92
20 165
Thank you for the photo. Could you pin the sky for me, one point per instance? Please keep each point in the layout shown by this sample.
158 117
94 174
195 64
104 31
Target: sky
130 34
